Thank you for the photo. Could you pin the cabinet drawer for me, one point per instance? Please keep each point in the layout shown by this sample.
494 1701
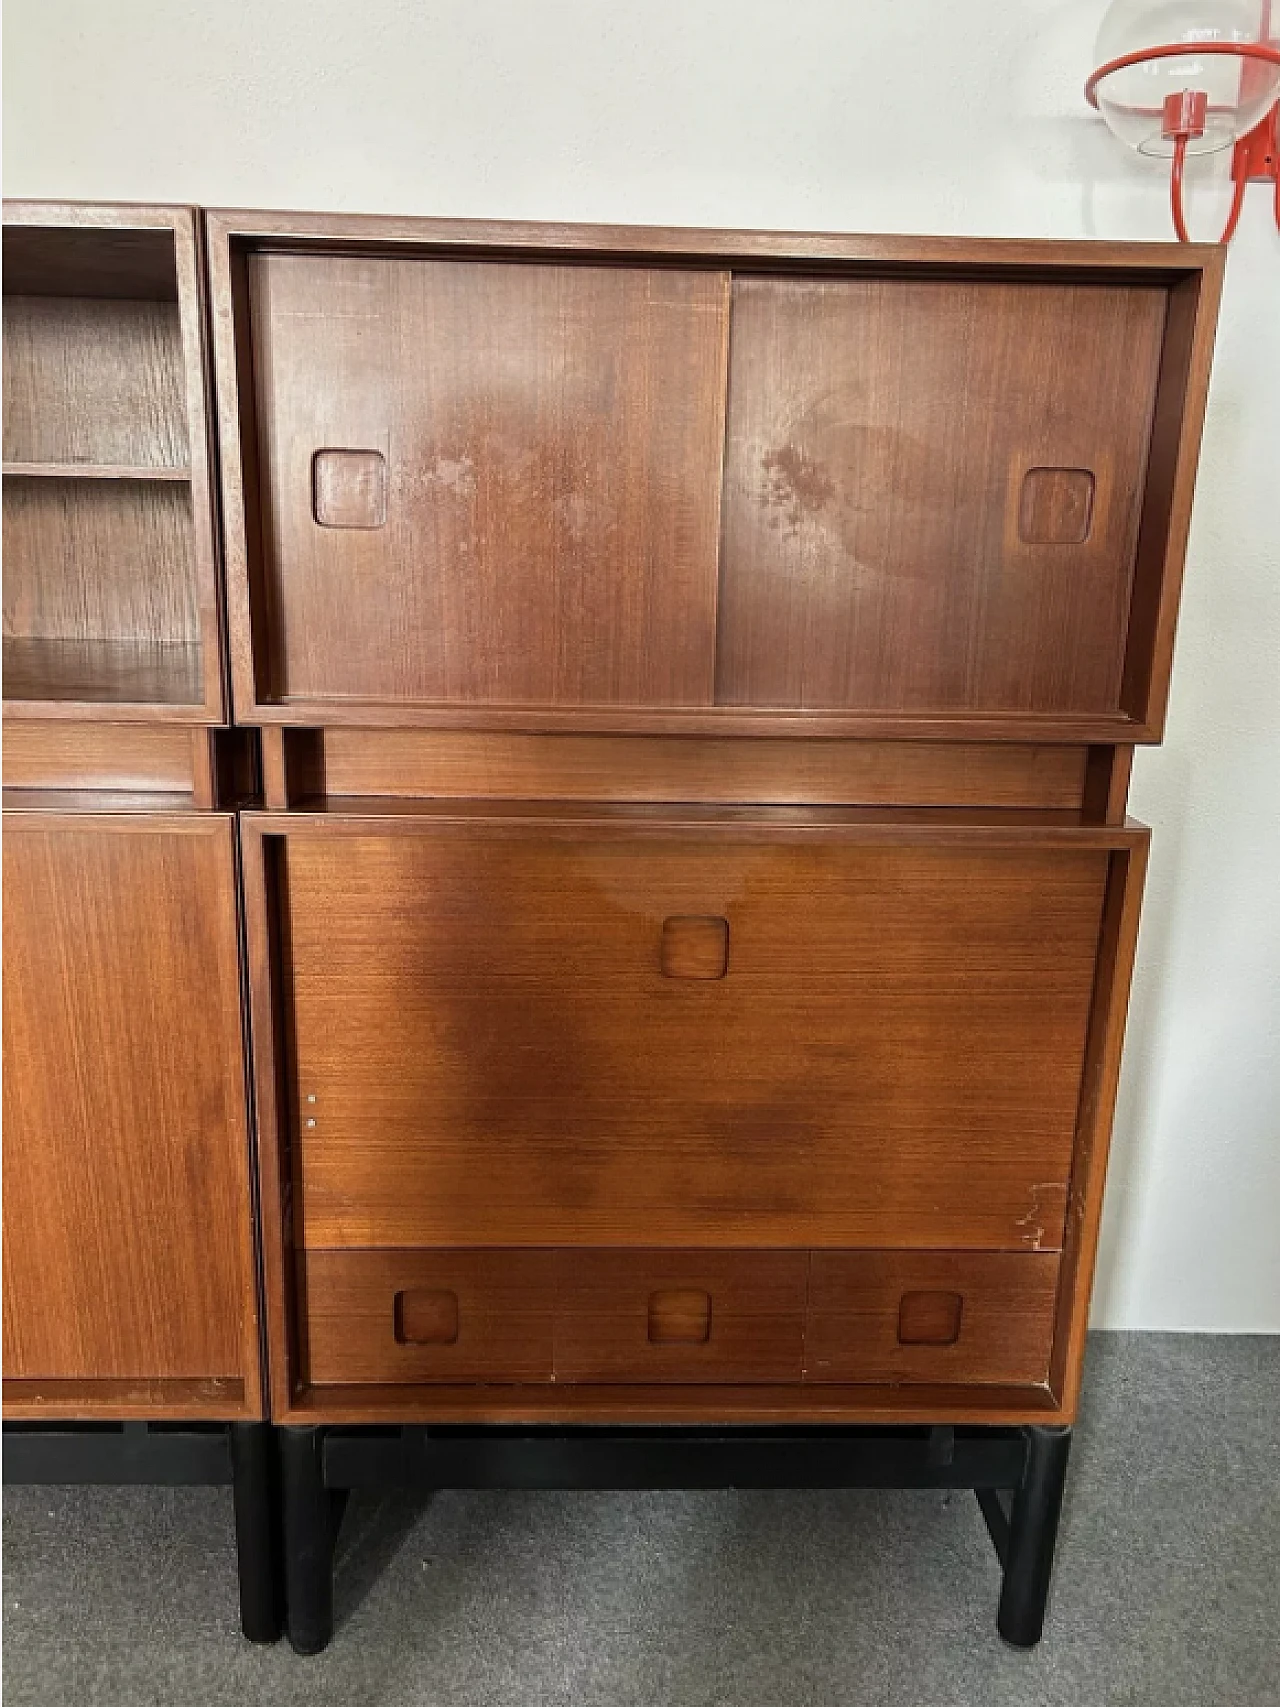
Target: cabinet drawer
653 1317
981 1317
703 1316
428 1315
513 1316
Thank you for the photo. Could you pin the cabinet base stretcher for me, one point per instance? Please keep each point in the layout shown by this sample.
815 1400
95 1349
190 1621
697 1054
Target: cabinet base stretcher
174 1455
1025 1466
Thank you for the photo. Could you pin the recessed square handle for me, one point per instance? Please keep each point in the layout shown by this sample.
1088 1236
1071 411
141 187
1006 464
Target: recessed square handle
427 1316
679 1316
695 946
1056 507
929 1318
349 488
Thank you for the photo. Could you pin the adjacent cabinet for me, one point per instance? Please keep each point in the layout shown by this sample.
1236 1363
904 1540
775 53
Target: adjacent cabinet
662 834
129 1257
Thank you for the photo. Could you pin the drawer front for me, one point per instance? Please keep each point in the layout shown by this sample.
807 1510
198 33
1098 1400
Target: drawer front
655 1317
524 1316
522 1039
946 1316
701 1316
428 1315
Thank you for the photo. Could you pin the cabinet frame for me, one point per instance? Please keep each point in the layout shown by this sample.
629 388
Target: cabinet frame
292 1401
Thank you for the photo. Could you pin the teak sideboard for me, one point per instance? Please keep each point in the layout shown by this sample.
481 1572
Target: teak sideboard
669 826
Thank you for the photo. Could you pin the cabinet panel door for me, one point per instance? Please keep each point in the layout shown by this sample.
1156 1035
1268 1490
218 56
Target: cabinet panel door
127 1223
487 481
932 492
505 1037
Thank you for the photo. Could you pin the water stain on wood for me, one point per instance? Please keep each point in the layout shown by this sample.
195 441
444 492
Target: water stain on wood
795 485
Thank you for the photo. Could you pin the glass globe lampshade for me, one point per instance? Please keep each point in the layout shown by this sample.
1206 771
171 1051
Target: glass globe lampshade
1225 51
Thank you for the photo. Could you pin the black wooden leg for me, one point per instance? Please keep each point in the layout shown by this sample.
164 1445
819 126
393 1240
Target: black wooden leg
308 1540
1032 1532
257 1537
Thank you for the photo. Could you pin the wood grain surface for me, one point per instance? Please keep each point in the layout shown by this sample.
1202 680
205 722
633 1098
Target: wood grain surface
50 676
127 1220
604 1317
99 756
466 765
549 443
99 560
1000 1332
95 380
881 434
894 1056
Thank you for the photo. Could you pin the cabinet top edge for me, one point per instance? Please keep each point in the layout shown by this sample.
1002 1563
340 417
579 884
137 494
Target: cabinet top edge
101 216
697 243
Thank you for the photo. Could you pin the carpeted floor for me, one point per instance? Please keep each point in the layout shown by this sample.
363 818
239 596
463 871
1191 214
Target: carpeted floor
1167 1591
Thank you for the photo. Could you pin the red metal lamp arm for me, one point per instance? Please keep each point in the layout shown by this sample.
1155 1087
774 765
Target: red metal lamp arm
1240 49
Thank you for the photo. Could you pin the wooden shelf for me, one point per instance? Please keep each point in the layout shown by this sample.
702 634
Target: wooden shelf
102 672
92 471
108 526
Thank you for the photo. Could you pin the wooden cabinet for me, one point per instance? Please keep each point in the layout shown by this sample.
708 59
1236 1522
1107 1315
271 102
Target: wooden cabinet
130 1283
577 477
690 927
128 1243
689 909
856 1048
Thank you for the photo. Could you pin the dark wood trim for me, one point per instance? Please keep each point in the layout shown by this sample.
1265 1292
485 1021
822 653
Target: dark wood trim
266 978
223 1400
1100 1082
292 766
907 826
191 309
806 248
1002 1406
204 769
1106 784
704 720
104 711
1177 428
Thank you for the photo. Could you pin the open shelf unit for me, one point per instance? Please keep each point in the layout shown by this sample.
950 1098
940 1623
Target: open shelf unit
110 601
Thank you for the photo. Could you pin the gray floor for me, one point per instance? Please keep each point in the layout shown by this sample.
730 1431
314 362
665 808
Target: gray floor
1168 1586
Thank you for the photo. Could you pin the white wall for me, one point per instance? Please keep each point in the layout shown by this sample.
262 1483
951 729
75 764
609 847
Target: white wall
855 115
